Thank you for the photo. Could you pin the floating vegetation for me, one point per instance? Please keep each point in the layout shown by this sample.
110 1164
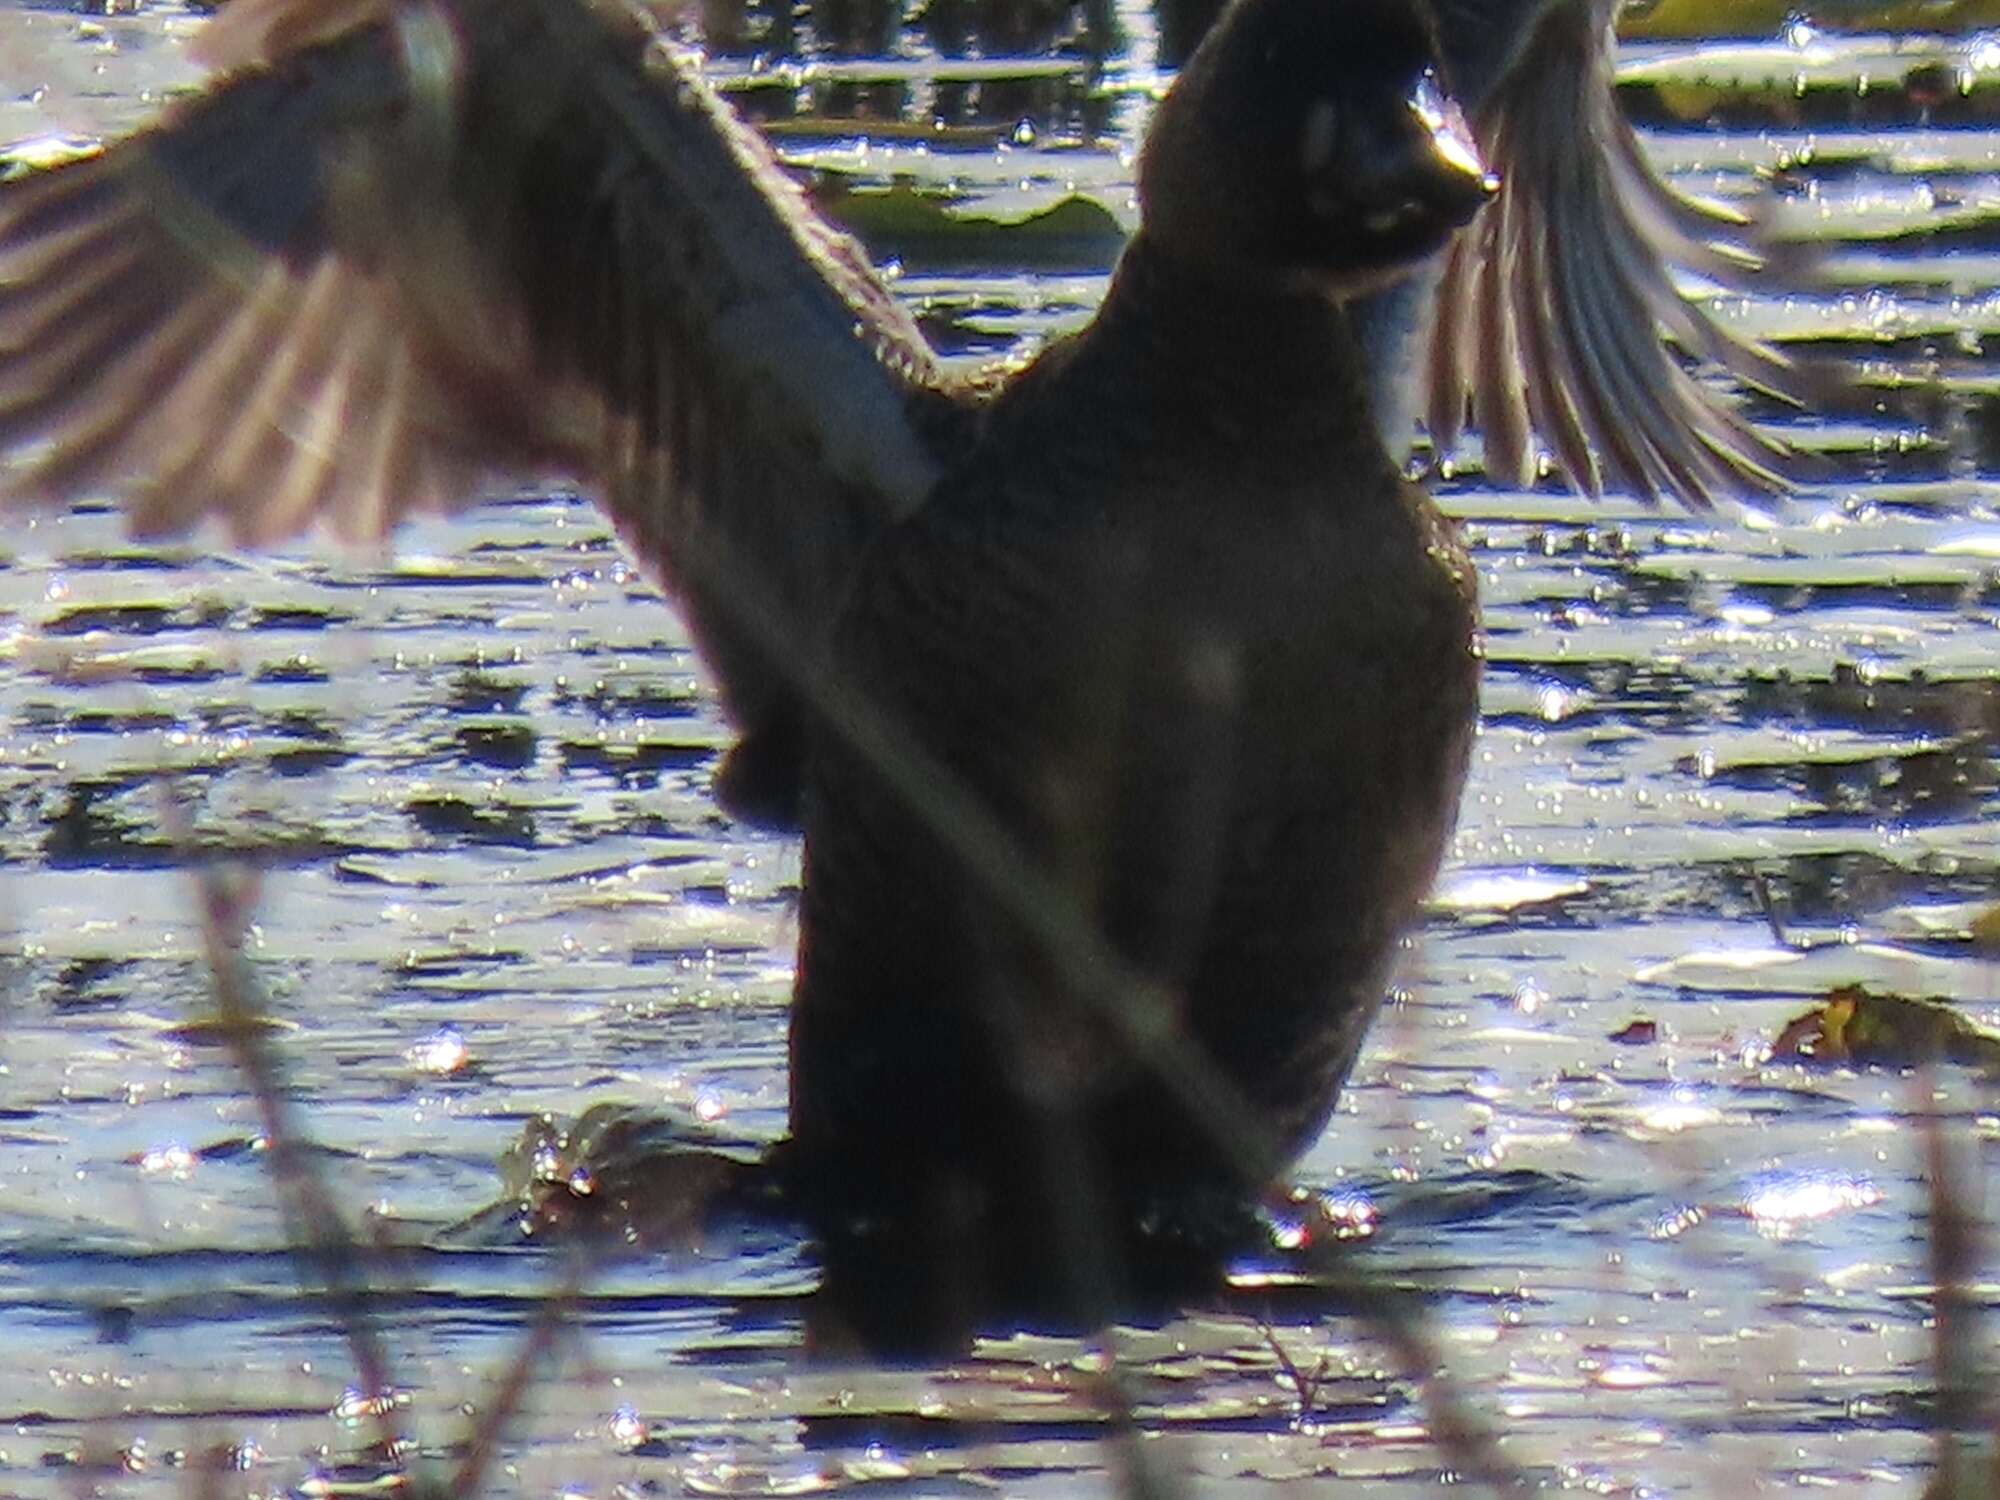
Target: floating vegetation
1860 1029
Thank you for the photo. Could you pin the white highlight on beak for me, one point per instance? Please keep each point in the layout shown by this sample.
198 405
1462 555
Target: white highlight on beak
1439 114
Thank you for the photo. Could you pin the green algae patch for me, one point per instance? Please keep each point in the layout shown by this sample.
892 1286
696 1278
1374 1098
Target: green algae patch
1688 20
1856 1028
905 220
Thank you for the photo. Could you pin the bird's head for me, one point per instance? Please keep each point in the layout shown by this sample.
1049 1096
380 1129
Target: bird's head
1313 140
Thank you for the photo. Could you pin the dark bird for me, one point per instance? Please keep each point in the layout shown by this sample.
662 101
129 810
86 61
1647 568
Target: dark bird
1130 696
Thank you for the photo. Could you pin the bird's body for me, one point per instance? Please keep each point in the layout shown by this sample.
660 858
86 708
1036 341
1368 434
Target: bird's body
1180 624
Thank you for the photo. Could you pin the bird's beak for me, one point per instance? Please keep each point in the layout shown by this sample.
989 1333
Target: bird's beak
1458 179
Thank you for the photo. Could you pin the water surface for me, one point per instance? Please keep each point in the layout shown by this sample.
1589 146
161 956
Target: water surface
475 778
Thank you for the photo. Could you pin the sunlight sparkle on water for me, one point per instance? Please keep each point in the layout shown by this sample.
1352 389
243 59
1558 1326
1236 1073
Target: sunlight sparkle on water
443 1051
1745 616
355 1404
1289 1232
627 1428
1556 702
1678 1220
1679 1110
879 1462
1351 1210
174 1161
1503 890
1629 1373
1784 1202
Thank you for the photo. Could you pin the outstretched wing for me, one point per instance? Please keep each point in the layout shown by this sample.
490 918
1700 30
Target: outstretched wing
1552 304
404 247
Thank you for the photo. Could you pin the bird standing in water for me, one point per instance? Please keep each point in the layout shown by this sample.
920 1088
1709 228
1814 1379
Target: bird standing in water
1126 703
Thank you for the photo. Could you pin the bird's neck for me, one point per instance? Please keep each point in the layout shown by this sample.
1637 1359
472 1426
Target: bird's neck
1241 348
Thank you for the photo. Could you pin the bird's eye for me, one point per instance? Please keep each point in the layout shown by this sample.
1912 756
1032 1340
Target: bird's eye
1320 136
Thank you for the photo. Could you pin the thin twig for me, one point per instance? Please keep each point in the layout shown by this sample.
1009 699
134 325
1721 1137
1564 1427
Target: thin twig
1760 887
1468 1443
553 1322
1305 1387
327 1252
1955 1344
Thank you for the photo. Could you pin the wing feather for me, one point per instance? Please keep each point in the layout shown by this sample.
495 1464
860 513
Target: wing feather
1557 299
1499 400
1449 381
1553 397
402 249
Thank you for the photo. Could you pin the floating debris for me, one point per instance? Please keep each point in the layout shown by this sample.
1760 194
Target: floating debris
1855 1028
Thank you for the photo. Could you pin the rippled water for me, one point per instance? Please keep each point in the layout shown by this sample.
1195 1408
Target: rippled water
475 776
